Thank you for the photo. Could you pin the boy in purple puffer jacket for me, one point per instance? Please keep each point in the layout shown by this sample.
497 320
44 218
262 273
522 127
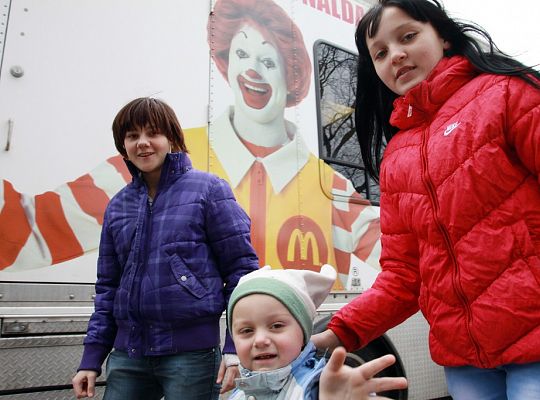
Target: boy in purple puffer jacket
173 246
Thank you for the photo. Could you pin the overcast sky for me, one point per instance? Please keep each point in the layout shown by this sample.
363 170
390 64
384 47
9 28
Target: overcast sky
514 25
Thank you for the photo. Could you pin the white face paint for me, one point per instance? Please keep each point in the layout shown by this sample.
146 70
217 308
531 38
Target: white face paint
257 76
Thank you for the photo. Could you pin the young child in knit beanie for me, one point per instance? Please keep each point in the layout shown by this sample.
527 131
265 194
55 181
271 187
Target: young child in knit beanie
270 318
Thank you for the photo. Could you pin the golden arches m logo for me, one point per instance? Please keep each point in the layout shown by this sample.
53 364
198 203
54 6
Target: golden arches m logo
302 244
304 241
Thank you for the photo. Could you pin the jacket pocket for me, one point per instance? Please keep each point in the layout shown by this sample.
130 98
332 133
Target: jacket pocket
185 277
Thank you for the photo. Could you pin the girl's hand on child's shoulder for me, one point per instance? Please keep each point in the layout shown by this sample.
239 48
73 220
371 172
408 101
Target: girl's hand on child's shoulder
341 381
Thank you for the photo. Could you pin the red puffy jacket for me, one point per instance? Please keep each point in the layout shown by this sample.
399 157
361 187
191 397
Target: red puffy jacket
460 221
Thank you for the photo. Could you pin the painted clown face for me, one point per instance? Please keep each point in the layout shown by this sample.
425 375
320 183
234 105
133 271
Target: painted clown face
257 76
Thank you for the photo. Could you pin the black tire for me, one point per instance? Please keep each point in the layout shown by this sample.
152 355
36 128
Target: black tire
376 348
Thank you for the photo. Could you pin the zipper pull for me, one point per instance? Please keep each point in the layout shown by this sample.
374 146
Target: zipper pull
409 112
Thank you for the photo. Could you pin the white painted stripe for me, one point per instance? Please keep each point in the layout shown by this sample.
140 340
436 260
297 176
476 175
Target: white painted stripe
342 195
348 241
341 205
342 239
367 272
34 254
2 201
86 228
375 255
361 224
108 179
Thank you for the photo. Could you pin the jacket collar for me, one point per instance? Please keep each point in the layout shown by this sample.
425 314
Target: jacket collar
175 164
281 166
420 103
261 383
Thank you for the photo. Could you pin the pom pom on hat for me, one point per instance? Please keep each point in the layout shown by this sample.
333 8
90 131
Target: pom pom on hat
301 291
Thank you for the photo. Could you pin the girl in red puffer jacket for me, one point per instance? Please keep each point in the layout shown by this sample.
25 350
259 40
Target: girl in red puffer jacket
460 198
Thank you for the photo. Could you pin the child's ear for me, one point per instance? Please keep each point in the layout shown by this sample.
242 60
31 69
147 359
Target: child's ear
446 45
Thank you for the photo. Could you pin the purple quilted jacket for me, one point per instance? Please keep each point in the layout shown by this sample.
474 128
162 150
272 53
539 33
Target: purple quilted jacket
166 270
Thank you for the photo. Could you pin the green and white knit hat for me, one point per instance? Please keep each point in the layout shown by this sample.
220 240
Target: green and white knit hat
301 291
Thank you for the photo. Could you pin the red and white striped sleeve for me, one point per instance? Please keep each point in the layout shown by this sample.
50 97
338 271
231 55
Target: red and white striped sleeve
355 227
58 225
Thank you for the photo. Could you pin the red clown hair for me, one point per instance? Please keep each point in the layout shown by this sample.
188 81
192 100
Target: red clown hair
229 16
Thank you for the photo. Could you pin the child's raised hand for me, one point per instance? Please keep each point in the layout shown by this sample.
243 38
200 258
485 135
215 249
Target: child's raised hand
339 381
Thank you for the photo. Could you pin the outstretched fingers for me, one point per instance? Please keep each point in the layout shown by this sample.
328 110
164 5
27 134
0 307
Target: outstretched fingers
377 385
344 382
384 384
337 359
373 367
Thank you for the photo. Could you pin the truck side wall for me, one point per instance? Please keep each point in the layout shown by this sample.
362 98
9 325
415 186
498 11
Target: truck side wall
66 68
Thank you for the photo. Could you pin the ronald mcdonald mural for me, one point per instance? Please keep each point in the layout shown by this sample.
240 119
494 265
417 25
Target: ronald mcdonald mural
295 201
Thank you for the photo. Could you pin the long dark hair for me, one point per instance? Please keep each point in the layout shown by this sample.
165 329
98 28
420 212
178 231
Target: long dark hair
374 100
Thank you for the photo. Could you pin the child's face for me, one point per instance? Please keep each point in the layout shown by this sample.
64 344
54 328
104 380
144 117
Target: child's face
146 148
266 335
404 50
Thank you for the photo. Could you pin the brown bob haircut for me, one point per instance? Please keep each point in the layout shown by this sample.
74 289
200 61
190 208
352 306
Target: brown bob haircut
275 25
147 111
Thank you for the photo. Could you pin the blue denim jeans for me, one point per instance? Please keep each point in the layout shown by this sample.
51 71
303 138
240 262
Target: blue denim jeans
187 376
507 382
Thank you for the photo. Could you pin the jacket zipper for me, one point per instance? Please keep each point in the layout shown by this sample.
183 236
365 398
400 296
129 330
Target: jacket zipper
147 238
455 276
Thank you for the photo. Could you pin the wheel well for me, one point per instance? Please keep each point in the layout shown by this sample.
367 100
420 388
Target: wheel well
376 348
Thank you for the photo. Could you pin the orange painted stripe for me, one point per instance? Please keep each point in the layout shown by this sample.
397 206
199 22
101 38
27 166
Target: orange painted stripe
258 194
368 240
357 198
344 219
343 260
257 208
90 198
118 163
14 226
339 182
55 229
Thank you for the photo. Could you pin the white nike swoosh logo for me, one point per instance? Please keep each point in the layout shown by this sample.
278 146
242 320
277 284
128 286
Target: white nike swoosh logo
450 128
